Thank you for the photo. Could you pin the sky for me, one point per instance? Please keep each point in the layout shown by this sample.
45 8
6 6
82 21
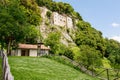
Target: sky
103 15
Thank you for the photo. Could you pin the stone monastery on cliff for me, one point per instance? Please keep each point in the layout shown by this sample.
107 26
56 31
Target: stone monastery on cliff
58 19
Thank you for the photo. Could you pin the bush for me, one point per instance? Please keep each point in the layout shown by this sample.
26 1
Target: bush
88 56
68 53
48 14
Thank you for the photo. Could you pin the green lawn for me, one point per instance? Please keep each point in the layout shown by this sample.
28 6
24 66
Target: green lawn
29 68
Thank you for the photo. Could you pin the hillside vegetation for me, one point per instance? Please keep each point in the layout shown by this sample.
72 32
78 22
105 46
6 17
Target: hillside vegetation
87 45
29 68
20 20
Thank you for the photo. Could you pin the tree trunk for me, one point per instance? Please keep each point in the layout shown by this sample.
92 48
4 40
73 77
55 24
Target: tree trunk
8 48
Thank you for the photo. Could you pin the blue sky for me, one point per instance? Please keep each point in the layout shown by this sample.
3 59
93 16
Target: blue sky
104 15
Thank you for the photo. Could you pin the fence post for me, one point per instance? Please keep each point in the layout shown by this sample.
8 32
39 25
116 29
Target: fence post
107 74
6 74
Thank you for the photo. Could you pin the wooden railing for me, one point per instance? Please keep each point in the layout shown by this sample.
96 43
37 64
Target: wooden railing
5 67
80 66
109 74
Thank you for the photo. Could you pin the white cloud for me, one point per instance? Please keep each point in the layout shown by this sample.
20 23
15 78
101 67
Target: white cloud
114 24
117 38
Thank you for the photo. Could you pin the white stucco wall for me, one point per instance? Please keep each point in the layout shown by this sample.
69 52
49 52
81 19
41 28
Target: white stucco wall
62 20
69 22
33 53
59 19
18 52
55 18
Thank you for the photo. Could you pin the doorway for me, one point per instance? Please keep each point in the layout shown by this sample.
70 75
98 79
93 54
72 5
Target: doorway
25 52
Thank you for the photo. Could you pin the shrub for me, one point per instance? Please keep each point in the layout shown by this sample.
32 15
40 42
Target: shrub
48 14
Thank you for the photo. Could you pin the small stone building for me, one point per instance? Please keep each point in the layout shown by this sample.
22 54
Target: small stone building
30 50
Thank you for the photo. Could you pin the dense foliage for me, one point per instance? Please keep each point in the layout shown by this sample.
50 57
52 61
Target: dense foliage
92 49
17 22
91 42
18 19
113 52
53 40
91 46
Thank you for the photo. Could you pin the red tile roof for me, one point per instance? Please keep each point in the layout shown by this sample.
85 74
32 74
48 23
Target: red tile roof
31 46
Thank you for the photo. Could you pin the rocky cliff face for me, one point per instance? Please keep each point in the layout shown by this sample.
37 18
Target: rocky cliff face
47 26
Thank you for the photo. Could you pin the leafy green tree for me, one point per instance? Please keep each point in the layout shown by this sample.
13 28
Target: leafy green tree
76 53
32 11
53 41
77 16
68 9
114 57
88 56
13 24
113 52
44 3
48 14
10 24
66 51
86 35
31 35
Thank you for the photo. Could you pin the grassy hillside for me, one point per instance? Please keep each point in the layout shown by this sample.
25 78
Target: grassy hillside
29 68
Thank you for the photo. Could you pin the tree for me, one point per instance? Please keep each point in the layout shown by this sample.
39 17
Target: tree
46 3
113 52
86 35
48 14
77 16
68 9
68 53
10 24
13 23
32 11
53 40
31 34
88 56
76 52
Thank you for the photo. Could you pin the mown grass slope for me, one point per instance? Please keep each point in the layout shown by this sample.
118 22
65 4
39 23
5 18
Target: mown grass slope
29 68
